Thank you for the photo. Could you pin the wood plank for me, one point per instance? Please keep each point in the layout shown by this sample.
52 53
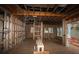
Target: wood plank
35 13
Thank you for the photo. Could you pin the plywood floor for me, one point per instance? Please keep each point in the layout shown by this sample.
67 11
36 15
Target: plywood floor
53 48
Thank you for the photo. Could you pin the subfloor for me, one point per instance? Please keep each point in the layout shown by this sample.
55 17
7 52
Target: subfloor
27 48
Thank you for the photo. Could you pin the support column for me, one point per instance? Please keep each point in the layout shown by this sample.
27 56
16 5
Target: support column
55 31
68 35
42 31
64 32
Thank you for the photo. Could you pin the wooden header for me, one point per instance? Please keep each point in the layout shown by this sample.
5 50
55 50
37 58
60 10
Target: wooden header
36 13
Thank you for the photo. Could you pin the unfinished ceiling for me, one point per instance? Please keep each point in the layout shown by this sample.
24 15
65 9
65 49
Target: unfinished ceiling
47 12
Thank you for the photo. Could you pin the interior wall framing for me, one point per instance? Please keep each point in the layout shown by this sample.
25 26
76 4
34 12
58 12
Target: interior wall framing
12 31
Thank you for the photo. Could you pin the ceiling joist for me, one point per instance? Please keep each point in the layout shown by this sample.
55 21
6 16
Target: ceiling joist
36 13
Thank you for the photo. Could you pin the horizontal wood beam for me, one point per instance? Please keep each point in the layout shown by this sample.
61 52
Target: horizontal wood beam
36 13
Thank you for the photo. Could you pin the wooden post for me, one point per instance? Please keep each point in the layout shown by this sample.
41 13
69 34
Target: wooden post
42 31
64 32
68 34
10 37
6 34
34 29
55 31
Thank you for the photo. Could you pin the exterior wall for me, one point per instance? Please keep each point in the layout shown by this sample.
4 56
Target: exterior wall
75 30
51 35
12 31
29 34
73 33
1 32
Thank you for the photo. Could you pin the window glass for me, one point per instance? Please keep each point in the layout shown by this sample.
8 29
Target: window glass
32 30
57 31
50 30
45 30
